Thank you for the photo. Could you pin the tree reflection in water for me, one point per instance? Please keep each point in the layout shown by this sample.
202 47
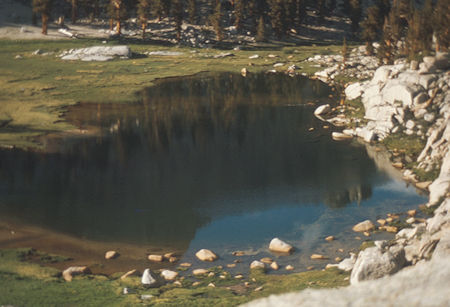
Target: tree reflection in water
188 151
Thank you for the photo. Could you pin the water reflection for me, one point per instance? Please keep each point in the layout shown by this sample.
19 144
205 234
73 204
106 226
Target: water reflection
188 153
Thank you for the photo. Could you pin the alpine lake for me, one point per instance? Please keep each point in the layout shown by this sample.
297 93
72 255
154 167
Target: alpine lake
214 161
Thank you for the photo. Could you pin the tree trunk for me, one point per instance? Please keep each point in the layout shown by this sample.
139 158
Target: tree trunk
144 26
74 11
44 23
111 24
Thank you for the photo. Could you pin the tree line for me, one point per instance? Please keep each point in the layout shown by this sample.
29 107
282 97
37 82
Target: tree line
399 25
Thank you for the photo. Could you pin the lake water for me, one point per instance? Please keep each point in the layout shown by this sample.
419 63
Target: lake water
209 161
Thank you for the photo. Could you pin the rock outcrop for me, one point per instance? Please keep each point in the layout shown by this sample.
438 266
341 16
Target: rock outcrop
97 53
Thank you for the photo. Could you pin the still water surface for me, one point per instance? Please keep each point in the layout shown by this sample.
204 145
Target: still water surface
208 161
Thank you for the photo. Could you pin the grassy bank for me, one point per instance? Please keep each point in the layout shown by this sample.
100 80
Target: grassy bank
37 87
23 283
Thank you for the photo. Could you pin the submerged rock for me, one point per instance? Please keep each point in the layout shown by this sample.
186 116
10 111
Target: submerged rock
206 255
111 254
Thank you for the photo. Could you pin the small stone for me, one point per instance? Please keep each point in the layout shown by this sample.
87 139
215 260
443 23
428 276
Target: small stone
111 254
178 283
211 274
366 233
423 185
322 110
238 253
68 273
211 285
231 265
147 278
195 284
389 219
222 277
257 265
168 255
206 255
239 276
382 222
266 260
318 257
274 266
397 164
246 284
169 275
146 297
186 264
289 267
341 250
173 259
338 259
412 212
244 72
366 225
331 265
330 238
259 289
155 258
310 268
410 220
276 245
197 272
128 274
391 229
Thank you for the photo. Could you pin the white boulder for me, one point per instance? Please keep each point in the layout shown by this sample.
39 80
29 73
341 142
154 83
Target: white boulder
277 245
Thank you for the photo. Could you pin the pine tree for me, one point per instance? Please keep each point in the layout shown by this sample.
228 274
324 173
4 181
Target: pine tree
117 13
278 18
192 10
166 5
157 9
216 21
384 6
74 11
370 27
385 52
143 11
261 31
321 9
441 25
355 14
178 15
43 7
344 51
239 8
301 11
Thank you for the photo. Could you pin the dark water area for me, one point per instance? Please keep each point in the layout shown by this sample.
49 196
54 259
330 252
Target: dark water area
208 161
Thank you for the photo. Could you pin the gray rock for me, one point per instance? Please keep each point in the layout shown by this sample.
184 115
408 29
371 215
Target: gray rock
425 284
397 91
366 225
372 263
441 186
410 124
322 110
420 98
257 265
381 74
169 275
98 53
414 65
354 91
277 245
429 117
348 263
147 278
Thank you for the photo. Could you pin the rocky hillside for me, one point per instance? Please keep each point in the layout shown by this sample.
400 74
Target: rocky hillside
405 100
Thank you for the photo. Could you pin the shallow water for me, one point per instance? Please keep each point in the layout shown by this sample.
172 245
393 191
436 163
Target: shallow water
220 162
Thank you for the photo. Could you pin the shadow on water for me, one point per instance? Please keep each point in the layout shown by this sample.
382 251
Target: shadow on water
189 152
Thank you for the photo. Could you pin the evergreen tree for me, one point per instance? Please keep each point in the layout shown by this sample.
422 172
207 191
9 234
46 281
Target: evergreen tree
74 10
344 51
158 9
43 7
178 15
216 21
117 13
166 5
278 18
239 8
261 31
419 37
355 14
321 9
370 27
441 25
192 10
387 44
301 11
143 11
384 6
